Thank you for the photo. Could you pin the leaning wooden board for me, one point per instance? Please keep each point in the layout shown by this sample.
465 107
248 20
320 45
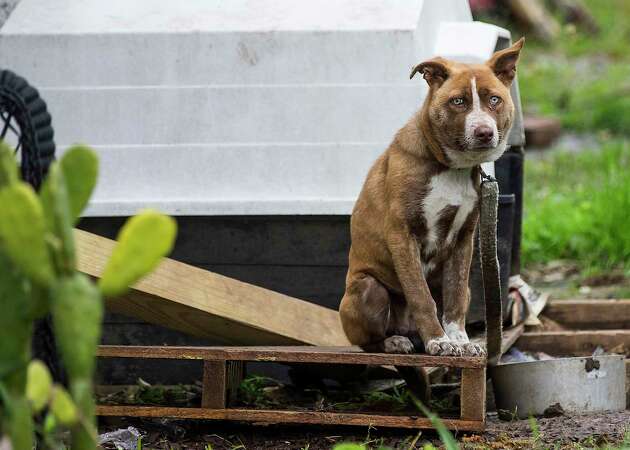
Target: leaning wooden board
205 304
219 369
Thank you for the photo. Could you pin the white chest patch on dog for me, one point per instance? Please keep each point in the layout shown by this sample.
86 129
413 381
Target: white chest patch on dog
452 187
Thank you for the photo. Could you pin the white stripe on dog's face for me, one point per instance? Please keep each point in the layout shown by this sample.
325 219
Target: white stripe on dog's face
478 117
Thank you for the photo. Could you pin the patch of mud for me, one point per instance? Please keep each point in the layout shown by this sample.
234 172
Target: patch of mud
561 432
592 429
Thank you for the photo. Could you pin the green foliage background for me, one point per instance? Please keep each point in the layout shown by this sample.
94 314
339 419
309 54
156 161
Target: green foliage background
576 203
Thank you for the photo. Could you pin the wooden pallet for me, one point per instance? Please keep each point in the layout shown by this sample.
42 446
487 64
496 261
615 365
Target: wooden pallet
222 368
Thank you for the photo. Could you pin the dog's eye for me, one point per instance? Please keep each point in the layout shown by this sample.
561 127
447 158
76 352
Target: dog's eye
494 100
457 101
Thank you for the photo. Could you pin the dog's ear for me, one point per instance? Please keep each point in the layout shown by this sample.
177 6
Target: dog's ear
503 63
434 71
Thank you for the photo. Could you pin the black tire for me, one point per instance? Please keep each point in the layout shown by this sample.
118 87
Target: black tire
24 114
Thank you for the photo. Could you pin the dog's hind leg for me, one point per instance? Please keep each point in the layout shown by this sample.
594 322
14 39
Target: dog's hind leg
366 316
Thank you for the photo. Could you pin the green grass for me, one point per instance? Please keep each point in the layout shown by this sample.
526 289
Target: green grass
577 207
582 79
585 99
252 390
576 204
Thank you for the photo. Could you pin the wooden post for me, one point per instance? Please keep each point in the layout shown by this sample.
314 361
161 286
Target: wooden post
214 385
473 394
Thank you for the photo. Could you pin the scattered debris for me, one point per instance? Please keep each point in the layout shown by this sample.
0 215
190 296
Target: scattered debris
554 410
514 355
533 300
561 432
123 439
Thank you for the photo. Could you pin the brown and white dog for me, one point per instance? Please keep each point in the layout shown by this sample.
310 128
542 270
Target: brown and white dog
413 224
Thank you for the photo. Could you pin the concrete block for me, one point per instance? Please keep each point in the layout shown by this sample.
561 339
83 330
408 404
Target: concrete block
229 179
265 113
239 107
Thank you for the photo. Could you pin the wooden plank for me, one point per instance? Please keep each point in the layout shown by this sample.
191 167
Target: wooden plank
511 335
209 305
473 394
322 285
627 383
326 355
214 390
590 314
271 416
581 342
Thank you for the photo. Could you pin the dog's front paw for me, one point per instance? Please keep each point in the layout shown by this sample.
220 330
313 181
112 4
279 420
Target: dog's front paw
443 347
470 349
398 344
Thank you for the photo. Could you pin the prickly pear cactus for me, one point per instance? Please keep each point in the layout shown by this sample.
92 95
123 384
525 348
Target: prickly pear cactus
38 276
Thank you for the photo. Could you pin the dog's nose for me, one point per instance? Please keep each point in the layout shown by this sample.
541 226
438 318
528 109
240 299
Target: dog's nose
484 133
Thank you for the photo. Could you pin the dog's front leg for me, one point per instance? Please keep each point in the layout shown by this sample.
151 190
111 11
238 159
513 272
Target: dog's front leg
456 294
405 251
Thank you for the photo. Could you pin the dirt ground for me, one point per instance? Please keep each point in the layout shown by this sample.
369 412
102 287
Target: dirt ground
559 432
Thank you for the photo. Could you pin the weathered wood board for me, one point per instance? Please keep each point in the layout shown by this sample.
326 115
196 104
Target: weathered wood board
290 354
590 314
261 416
205 304
573 342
